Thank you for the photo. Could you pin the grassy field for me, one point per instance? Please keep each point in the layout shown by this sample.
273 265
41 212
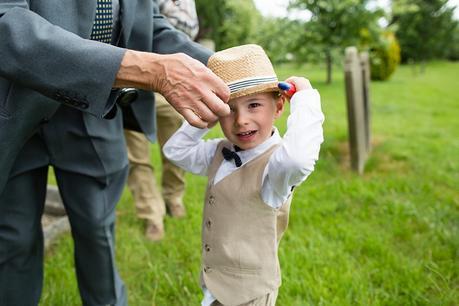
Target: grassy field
389 237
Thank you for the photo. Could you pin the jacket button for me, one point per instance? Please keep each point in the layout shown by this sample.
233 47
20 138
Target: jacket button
207 247
207 269
44 120
208 224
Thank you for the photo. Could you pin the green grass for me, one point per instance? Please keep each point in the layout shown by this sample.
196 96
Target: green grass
389 237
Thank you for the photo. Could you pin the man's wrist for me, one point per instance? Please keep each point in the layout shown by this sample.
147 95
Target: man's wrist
138 69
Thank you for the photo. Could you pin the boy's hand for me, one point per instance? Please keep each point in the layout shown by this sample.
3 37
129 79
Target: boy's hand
300 83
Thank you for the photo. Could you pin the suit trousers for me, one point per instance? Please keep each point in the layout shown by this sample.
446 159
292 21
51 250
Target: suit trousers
90 204
150 202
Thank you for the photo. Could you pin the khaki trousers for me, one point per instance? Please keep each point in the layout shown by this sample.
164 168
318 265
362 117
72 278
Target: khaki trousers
266 300
150 204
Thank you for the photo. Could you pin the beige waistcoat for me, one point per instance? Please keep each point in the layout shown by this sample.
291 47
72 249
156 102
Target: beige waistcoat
240 234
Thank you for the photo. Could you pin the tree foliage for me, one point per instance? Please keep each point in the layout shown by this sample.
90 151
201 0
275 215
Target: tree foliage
279 37
425 28
336 24
241 19
211 16
228 22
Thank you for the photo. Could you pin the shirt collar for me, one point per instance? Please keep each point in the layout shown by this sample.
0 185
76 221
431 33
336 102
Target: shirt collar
247 155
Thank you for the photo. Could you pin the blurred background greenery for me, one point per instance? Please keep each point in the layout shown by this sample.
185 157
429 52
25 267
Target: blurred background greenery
421 30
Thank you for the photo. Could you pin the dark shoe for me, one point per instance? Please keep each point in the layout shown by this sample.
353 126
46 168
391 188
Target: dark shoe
154 231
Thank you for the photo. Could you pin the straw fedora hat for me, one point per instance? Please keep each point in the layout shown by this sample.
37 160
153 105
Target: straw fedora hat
245 69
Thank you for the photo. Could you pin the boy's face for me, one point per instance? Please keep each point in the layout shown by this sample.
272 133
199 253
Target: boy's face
251 119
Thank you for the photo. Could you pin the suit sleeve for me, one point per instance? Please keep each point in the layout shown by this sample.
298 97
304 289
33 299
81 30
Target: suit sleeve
55 62
167 40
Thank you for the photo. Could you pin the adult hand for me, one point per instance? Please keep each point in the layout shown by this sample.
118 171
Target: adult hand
189 86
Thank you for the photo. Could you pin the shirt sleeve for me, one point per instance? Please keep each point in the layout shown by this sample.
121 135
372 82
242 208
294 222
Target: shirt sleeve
189 151
294 160
182 15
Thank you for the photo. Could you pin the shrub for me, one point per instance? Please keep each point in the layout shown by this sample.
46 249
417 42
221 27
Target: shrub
384 56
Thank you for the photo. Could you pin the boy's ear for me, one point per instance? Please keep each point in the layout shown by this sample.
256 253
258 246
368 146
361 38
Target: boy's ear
280 102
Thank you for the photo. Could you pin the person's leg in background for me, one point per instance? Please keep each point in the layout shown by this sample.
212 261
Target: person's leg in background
173 177
90 203
142 184
150 203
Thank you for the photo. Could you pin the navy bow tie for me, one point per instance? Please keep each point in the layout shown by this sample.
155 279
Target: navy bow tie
229 155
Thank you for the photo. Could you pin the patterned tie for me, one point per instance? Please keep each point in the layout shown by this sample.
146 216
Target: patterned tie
103 23
229 155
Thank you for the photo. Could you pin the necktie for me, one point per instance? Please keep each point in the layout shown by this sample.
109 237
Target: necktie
103 23
229 155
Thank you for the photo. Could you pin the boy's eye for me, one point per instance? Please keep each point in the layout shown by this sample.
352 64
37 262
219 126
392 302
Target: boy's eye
254 105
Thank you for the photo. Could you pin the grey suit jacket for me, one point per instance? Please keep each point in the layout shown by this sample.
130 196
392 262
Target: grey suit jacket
47 60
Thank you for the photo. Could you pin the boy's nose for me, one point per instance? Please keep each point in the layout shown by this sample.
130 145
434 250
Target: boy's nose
240 119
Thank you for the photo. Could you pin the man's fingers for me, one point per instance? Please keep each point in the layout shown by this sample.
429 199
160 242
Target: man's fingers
204 113
215 104
219 87
193 118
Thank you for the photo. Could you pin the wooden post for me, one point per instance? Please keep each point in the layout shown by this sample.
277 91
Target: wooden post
357 80
366 78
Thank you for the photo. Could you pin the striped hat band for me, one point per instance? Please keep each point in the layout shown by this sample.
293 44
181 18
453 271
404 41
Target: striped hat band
247 83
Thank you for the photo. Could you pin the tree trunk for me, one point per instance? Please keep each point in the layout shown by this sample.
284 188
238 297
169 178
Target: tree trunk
329 61
423 66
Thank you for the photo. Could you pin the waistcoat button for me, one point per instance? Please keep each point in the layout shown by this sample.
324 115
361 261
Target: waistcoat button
211 200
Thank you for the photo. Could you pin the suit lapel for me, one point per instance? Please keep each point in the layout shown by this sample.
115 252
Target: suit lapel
87 16
127 9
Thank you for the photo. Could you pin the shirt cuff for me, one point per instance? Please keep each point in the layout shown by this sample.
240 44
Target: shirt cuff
306 97
193 132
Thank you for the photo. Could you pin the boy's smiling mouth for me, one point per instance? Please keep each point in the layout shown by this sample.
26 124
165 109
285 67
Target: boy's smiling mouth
246 135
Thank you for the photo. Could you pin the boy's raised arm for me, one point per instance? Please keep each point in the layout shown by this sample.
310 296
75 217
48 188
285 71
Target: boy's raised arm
292 162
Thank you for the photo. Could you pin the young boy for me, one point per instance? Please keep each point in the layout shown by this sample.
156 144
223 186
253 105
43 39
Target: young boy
251 175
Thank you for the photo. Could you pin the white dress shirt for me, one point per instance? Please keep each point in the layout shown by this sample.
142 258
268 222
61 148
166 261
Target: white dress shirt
289 165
